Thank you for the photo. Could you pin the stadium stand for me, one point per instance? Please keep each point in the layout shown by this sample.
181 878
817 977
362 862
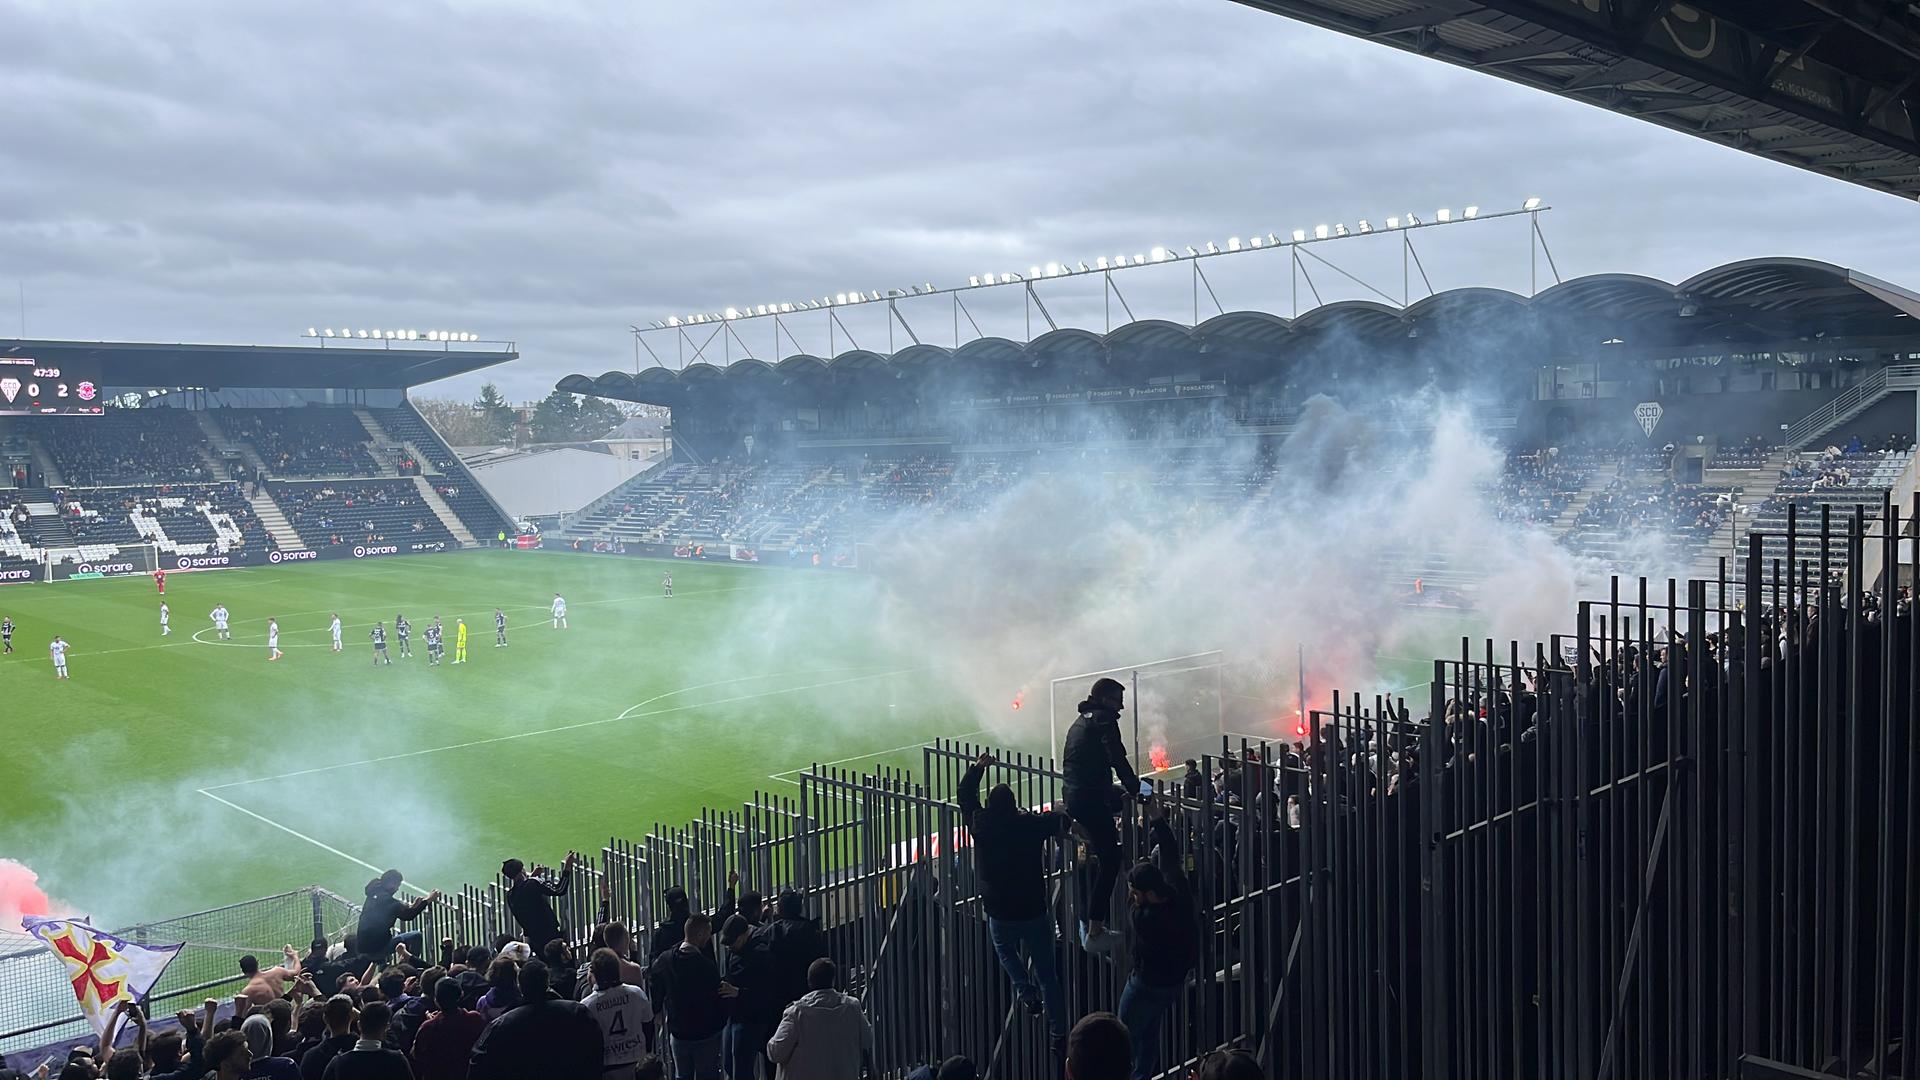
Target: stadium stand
133 446
335 513
317 441
462 493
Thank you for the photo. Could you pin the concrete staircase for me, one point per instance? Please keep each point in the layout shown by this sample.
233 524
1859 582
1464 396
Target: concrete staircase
426 467
222 446
385 448
445 513
43 463
276 522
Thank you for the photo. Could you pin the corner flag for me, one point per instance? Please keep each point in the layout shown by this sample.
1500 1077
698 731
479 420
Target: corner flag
105 970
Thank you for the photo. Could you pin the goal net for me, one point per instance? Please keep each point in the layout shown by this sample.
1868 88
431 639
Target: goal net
1175 707
101 561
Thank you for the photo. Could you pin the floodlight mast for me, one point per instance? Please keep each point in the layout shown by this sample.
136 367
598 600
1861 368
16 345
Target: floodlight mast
718 323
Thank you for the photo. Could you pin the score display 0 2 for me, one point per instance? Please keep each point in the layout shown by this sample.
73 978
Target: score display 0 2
37 387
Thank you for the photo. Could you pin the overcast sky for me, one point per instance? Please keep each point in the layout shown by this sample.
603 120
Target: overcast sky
551 172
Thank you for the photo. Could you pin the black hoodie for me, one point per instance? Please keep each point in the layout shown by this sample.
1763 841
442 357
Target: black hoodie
1008 852
1093 755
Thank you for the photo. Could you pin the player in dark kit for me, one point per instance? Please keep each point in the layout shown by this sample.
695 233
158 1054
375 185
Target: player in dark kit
436 647
6 632
499 629
380 645
403 630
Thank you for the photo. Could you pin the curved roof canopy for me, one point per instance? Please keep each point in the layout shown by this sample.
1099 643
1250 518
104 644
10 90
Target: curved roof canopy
1755 302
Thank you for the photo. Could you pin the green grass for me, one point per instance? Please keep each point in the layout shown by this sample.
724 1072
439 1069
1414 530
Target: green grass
645 710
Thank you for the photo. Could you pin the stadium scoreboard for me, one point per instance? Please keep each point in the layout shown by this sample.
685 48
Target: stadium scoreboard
47 388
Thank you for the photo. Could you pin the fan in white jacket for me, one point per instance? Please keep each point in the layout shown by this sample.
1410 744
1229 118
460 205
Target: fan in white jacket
824 1035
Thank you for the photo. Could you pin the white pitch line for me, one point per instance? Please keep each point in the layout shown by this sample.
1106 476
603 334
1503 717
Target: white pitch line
329 848
627 714
782 776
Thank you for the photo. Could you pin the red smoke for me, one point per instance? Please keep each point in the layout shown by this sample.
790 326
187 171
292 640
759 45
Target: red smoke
1158 756
1019 699
19 895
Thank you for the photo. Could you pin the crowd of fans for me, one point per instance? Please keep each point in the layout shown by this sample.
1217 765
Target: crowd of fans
126 446
302 442
336 512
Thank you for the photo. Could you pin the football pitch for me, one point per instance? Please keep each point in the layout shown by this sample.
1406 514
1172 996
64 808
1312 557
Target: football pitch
172 774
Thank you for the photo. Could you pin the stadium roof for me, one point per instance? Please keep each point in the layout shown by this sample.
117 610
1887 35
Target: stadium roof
129 365
1758 304
1825 85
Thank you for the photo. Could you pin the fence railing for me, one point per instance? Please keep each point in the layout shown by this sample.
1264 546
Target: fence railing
37 1005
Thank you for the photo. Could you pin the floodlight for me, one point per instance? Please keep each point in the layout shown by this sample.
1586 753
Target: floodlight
1191 252
1412 220
1393 223
1160 254
1084 268
973 281
1100 263
839 298
1471 212
1255 240
362 333
1233 243
1299 235
731 313
1320 232
673 320
1053 269
1443 214
1340 230
928 286
311 332
1532 203
1211 250
1139 259
1033 271
1272 239
376 332
1365 226
413 335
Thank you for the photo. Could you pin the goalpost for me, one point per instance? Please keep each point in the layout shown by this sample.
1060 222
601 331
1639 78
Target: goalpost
1174 705
66 564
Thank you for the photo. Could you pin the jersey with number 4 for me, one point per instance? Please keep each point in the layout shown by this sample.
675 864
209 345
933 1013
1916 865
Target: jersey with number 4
622 1013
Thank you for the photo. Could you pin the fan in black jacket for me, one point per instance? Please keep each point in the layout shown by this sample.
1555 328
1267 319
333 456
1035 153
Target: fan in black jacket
1009 853
1092 757
1165 942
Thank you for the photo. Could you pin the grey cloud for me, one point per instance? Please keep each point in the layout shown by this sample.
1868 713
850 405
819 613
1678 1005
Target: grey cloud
551 173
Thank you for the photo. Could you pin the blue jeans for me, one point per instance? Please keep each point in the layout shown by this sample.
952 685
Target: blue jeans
1037 935
1143 1008
745 1044
696 1059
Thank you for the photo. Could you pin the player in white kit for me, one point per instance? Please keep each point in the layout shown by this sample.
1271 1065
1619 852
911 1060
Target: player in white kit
58 650
166 619
666 584
336 632
219 617
559 612
273 640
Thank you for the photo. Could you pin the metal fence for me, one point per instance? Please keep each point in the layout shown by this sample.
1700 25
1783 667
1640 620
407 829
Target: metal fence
37 1006
1679 840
